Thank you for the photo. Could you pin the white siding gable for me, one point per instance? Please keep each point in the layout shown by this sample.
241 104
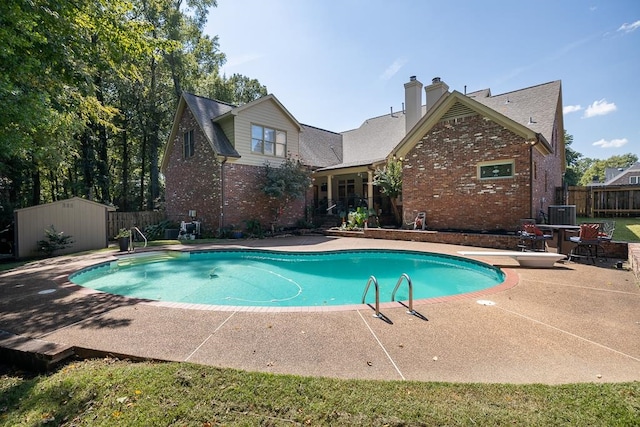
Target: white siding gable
266 114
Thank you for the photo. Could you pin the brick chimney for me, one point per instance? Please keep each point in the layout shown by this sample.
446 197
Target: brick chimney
434 91
413 102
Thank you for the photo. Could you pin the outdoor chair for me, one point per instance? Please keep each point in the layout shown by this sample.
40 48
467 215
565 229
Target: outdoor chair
532 238
420 221
588 242
606 230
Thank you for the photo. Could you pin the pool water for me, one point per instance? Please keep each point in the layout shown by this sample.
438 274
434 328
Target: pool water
285 279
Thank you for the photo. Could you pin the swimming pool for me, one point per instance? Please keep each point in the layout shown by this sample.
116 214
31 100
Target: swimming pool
252 277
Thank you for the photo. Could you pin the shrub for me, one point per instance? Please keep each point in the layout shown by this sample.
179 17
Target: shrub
54 241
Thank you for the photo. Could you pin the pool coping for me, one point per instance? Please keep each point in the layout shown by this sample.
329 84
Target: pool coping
510 280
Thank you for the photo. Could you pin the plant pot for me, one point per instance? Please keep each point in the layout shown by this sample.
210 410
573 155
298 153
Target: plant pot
124 244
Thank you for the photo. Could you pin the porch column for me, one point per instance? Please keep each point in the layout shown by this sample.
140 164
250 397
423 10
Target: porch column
330 194
370 189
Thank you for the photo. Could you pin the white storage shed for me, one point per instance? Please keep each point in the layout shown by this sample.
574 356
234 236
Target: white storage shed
84 220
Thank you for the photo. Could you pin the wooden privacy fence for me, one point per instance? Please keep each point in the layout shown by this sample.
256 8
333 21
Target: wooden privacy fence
118 220
605 201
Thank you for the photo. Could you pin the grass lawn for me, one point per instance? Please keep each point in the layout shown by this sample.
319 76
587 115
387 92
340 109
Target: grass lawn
627 229
118 393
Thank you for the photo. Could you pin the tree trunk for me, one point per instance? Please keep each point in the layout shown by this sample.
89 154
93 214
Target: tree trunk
396 212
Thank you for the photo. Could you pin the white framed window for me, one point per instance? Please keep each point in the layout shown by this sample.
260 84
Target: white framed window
496 170
188 147
268 141
634 180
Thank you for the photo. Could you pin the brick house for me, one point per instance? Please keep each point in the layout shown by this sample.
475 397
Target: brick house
471 161
620 176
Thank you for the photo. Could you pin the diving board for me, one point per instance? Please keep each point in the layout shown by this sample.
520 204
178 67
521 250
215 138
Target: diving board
525 259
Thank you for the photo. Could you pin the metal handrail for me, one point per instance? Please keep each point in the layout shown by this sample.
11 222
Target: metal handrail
366 289
393 295
131 237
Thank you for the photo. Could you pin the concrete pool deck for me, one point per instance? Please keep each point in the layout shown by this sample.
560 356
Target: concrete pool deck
572 323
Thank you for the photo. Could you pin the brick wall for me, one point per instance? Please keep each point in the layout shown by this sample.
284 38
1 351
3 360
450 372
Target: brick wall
244 199
193 183
440 176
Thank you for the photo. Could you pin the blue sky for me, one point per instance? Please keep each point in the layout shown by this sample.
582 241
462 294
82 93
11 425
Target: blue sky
335 63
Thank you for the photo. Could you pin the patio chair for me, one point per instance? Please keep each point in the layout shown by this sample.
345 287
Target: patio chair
420 221
532 238
588 242
606 230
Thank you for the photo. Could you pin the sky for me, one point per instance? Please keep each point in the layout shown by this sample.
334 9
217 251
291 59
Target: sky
335 63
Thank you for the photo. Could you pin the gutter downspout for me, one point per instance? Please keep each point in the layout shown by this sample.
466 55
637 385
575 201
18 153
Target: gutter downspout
221 222
531 172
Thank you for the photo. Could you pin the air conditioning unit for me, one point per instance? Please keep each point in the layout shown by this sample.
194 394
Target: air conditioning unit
562 214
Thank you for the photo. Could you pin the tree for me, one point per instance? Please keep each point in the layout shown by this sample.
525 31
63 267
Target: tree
573 172
236 90
597 167
287 182
389 179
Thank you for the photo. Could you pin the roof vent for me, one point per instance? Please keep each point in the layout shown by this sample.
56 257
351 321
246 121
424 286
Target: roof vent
531 121
412 78
435 80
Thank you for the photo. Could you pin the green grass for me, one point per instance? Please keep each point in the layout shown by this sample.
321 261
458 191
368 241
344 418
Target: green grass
118 393
627 229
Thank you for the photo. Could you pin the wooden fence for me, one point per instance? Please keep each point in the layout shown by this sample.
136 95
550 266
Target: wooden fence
118 220
609 201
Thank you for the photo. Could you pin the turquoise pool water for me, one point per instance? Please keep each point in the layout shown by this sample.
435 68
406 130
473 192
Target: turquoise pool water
285 279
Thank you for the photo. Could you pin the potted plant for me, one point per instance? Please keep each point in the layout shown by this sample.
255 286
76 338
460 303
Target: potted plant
123 237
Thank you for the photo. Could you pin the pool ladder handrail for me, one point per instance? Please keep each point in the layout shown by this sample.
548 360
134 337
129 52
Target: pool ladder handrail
366 289
393 294
131 248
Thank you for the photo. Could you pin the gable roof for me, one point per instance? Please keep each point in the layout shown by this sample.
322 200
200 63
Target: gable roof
267 98
203 110
457 103
631 169
533 107
529 112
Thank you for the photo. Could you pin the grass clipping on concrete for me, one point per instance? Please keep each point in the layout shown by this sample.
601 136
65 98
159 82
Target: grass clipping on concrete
118 393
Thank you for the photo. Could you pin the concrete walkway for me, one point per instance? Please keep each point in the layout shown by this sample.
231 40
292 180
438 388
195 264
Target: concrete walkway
571 323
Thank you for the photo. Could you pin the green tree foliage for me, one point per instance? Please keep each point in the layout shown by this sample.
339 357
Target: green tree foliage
389 179
573 172
282 184
89 89
597 167
236 90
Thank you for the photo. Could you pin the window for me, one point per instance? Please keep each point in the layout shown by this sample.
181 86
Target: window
634 180
492 170
189 144
271 142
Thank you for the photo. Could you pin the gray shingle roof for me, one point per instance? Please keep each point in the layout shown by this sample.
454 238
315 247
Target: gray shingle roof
533 107
319 147
204 110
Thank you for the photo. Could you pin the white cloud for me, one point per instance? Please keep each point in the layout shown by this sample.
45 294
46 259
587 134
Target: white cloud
627 28
600 108
393 69
614 143
571 109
